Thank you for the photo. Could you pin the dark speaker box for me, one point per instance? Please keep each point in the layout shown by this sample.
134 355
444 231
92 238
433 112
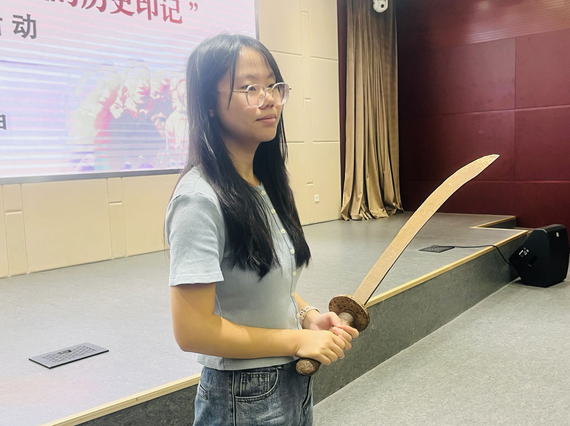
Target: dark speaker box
542 259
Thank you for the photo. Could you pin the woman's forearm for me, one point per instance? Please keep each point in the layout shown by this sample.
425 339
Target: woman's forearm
214 335
198 329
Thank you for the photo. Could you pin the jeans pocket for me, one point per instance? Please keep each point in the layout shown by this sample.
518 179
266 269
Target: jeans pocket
257 385
309 396
202 393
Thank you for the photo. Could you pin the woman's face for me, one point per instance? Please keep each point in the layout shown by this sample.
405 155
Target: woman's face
242 124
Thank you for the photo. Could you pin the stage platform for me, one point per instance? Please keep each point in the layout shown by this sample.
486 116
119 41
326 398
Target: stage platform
145 379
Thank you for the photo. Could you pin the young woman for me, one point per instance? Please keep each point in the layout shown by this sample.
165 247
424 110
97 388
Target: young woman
237 246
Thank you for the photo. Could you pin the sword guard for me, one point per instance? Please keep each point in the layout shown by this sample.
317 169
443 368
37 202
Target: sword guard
350 310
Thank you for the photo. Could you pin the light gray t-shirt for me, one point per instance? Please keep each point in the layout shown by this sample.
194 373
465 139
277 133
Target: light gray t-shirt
199 252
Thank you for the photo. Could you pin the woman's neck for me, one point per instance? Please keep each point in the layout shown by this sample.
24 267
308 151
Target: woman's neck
242 157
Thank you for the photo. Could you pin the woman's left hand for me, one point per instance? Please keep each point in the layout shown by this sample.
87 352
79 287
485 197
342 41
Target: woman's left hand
331 321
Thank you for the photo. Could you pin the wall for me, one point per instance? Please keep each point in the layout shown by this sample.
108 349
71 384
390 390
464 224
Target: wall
56 224
481 77
306 47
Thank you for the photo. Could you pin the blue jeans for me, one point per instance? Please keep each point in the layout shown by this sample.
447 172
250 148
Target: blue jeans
276 396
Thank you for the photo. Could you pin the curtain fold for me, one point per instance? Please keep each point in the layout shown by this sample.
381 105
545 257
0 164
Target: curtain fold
371 180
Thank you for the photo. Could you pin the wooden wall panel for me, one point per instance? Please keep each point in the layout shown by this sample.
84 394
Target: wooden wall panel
542 150
118 233
461 79
3 248
543 69
542 203
435 24
482 198
145 199
324 82
297 166
115 190
286 36
323 24
12 198
476 197
67 223
291 67
463 62
327 171
16 243
434 147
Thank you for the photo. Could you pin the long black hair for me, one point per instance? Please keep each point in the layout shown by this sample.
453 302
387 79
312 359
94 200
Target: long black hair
249 233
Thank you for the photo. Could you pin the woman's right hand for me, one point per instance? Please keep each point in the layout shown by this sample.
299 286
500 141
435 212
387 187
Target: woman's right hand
322 346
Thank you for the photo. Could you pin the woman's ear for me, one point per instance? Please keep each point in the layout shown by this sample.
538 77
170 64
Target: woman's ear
211 112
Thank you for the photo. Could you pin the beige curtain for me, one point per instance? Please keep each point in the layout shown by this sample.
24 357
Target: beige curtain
371 179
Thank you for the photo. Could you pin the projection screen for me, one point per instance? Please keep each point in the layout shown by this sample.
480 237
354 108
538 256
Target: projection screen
98 86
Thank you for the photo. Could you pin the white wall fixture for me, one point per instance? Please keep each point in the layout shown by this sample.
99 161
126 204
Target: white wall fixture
380 5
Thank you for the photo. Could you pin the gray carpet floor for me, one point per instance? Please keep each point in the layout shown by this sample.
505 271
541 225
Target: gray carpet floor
506 361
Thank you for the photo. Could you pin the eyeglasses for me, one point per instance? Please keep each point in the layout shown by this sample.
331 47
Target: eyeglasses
255 94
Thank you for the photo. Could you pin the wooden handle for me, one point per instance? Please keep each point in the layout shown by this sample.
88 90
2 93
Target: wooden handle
307 366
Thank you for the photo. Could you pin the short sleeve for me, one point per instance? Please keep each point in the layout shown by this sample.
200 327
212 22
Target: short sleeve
195 233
